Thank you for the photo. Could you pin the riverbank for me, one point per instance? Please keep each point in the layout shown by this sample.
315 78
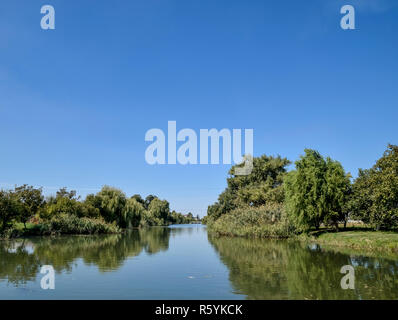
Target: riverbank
358 239
68 225
63 225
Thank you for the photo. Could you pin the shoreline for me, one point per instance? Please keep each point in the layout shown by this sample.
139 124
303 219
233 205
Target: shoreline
356 240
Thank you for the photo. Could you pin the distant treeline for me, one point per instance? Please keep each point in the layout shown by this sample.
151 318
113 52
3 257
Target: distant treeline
273 202
108 211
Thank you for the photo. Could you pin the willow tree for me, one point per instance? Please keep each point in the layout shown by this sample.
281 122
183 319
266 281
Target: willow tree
316 192
160 210
112 202
133 212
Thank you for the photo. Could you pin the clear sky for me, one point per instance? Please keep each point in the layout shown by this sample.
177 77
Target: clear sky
76 102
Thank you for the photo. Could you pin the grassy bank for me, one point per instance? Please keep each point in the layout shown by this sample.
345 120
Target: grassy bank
271 223
359 239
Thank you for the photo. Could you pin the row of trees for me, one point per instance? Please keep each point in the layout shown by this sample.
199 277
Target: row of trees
25 203
318 191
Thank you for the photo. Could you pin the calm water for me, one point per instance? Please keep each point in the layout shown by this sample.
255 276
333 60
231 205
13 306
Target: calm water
183 262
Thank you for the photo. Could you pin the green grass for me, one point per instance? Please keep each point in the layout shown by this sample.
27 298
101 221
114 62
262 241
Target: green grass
355 239
358 238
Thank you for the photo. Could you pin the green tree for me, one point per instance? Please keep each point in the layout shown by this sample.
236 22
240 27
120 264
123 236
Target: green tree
62 206
133 212
112 205
10 208
316 191
148 200
67 203
30 199
92 206
159 209
139 199
338 191
375 192
263 185
64 193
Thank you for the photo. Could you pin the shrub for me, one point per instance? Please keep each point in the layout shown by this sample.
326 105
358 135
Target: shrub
268 221
69 224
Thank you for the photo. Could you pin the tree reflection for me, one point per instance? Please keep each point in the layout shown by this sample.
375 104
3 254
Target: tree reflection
16 263
265 269
21 260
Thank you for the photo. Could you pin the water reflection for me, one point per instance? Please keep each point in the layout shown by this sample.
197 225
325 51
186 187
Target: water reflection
20 260
291 270
255 269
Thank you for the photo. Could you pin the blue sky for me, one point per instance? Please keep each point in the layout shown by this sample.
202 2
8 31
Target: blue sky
75 102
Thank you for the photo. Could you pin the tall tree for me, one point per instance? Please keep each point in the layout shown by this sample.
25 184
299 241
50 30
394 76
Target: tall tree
148 200
9 208
159 209
139 199
31 201
112 204
316 191
263 185
375 192
133 212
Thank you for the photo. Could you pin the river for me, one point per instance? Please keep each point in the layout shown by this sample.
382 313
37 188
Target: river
184 262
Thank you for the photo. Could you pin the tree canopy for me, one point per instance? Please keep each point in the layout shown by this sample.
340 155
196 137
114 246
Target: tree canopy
316 192
375 192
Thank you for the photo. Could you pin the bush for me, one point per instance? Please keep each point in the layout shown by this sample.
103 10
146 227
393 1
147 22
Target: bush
63 224
268 221
69 224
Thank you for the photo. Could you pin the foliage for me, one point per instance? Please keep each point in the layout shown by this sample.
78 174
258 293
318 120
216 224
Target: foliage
263 185
159 209
112 202
98 213
69 224
268 221
30 199
179 218
148 201
375 192
132 212
9 209
316 191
